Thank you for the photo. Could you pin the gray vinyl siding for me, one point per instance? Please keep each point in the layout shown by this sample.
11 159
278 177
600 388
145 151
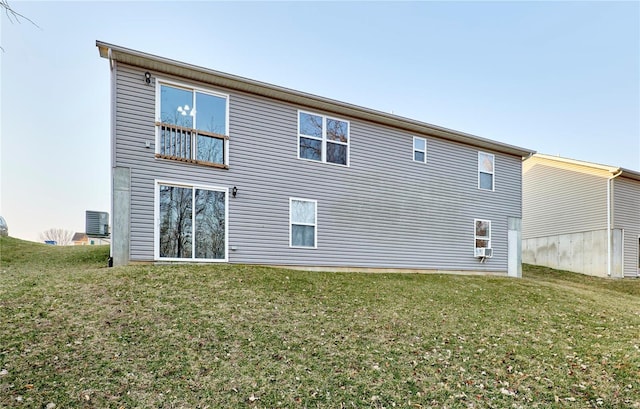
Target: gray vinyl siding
626 216
562 201
383 211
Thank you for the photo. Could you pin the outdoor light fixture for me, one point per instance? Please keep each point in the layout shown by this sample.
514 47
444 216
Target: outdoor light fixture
147 77
234 191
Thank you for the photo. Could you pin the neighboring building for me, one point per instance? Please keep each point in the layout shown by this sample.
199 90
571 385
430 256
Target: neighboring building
581 216
81 239
212 167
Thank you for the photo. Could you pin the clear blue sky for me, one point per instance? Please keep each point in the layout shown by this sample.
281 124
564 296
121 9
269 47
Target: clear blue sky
558 77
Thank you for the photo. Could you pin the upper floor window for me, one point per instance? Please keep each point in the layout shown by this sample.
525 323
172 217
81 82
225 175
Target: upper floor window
192 125
419 149
486 171
323 139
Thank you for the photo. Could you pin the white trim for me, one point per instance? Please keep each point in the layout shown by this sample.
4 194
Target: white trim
315 225
476 237
637 261
493 174
159 81
419 150
156 221
324 140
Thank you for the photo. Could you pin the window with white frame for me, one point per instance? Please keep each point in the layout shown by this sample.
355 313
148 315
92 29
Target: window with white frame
482 235
486 171
323 139
192 124
419 149
191 222
302 222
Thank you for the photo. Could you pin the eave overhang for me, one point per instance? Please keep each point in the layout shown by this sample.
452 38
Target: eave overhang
612 170
220 79
631 174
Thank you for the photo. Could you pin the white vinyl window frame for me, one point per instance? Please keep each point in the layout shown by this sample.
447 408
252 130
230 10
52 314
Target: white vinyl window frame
477 237
314 224
156 221
416 149
492 172
324 138
188 87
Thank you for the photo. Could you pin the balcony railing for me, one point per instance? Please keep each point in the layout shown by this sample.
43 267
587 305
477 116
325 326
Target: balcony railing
191 145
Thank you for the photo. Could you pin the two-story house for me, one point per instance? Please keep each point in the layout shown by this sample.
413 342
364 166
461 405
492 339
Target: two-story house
212 167
581 216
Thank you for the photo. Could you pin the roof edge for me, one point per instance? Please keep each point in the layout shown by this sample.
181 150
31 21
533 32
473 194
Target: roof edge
197 73
631 174
611 169
614 170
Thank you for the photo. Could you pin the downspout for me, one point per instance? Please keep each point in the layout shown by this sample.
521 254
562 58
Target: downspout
112 66
609 238
112 123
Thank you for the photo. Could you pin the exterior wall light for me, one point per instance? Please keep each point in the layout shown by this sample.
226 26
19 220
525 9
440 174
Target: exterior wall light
234 191
147 77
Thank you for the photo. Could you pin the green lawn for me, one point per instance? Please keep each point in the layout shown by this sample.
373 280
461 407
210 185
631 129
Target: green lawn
77 334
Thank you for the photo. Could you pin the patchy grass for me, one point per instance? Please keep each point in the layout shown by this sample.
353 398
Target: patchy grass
628 286
77 334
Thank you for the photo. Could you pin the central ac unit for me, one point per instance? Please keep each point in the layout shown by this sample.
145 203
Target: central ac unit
97 224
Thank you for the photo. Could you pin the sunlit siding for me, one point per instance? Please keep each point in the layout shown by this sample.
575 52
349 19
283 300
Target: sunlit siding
626 215
562 201
383 211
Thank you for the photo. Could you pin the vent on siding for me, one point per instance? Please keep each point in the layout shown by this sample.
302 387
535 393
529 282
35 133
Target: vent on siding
97 224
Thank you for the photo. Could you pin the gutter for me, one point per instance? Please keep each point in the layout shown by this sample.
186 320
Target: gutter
609 221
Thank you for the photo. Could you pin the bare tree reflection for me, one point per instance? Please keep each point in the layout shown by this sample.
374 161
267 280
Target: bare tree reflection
175 222
210 224
179 213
